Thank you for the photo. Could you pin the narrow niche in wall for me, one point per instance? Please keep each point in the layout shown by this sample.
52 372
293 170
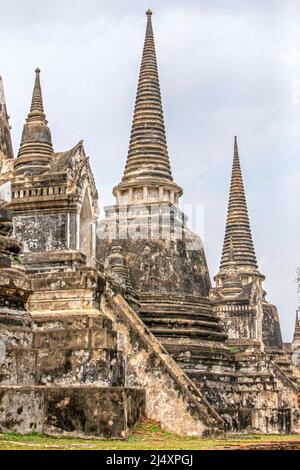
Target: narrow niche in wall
86 229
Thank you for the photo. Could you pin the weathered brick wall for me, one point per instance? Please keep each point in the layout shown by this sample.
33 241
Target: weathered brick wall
92 411
271 327
64 374
42 232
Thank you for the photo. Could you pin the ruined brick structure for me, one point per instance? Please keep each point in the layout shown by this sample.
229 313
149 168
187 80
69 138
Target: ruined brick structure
296 337
251 321
122 322
292 350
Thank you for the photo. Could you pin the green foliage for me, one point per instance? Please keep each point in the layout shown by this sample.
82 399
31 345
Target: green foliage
19 437
147 436
234 350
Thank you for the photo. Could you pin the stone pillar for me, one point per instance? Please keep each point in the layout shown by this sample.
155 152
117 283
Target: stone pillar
145 194
78 231
130 196
68 230
161 194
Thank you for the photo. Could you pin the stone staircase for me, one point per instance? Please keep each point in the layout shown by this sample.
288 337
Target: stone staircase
243 388
180 316
286 365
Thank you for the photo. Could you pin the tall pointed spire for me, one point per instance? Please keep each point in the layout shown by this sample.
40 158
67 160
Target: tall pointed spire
238 232
6 148
36 145
37 106
297 328
148 159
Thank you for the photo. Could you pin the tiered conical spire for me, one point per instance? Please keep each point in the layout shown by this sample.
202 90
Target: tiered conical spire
297 328
232 282
148 157
37 106
238 230
6 149
36 144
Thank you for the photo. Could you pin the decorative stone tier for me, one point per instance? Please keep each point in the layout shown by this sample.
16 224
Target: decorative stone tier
66 291
181 316
147 191
71 261
39 191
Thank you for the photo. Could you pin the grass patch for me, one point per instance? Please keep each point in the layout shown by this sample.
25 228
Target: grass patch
147 436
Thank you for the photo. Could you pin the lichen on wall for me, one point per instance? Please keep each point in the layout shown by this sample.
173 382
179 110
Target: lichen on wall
42 232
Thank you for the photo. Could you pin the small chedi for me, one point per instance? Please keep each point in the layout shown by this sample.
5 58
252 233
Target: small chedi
105 323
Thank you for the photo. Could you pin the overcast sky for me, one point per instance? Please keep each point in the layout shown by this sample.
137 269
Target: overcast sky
226 68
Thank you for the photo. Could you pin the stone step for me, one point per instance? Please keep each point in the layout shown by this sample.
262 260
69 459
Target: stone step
179 322
230 380
187 332
145 314
182 307
224 376
168 299
191 351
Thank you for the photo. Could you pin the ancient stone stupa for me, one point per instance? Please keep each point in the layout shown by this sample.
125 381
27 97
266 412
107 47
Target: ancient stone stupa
105 329
239 298
166 260
71 365
226 338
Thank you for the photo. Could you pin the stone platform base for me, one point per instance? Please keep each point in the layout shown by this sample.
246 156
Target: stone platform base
259 420
110 412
